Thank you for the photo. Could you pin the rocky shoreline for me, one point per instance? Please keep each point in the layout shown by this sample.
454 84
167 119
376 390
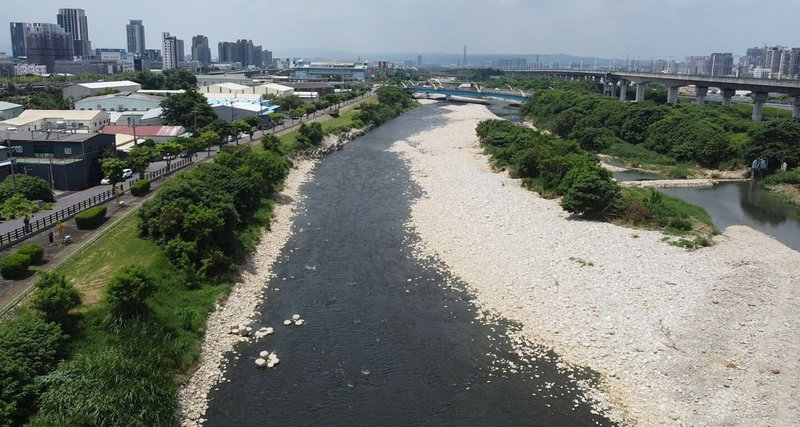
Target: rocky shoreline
707 337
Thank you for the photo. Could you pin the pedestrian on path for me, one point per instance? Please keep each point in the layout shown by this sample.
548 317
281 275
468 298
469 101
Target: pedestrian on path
50 238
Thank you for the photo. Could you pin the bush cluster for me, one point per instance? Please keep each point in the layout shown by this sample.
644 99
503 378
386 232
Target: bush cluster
195 217
91 218
140 187
553 166
14 266
392 102
30 348
36 252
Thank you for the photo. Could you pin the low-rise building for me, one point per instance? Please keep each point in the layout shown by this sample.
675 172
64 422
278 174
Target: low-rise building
32 120
82 90
156 133
9 110
66 158
321 88
331 70
122 101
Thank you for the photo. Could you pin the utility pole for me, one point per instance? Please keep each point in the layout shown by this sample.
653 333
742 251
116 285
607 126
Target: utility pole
135 144
11 160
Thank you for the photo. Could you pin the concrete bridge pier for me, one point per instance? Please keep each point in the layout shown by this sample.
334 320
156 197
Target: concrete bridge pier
759 98
640 91
727 94
623 90
701 93
795 101
672 95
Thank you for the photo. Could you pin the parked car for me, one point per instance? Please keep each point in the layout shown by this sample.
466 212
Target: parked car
185 153
105 181
127 173
168 157
227 139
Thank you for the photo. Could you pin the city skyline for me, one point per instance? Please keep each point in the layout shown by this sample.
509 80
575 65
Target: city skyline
642 29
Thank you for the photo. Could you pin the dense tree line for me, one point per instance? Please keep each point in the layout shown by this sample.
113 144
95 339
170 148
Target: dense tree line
708 135
195 217
392 102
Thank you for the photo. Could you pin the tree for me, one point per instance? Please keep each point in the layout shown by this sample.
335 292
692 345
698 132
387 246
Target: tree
179 79
169 150
591 192
128 291
188 108
290 102
55 296
240 126
18 206
271 142
193 144
112 168
310 134
32 187
139 158
209 138
276 117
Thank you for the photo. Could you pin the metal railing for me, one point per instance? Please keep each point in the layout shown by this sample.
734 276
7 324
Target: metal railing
34 227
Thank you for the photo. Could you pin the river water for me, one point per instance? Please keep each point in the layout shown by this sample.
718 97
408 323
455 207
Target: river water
388 339
736 203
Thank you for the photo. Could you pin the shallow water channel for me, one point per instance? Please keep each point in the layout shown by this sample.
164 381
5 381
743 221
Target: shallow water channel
737 203
387 339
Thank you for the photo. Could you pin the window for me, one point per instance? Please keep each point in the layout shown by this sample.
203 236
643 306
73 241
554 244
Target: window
68 150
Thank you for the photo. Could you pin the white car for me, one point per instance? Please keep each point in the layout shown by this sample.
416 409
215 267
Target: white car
105 181
127 173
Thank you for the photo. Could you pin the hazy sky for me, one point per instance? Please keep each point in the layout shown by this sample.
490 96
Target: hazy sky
603 28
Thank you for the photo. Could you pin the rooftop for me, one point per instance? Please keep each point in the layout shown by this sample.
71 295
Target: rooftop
30 116
8 105
144 131
103 85
125 95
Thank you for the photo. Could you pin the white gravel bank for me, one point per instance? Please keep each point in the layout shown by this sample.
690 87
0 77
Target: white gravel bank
708 337
241 304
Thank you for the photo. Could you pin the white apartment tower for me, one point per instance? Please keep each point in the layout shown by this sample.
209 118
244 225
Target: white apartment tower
169 51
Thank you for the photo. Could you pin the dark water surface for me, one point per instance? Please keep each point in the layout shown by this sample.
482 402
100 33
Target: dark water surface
386 340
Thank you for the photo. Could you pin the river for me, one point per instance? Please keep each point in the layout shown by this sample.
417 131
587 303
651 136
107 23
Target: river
388 339
736 203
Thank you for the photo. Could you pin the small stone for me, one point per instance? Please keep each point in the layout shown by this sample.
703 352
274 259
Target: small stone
295 317
775 371
287 322
299 322
261 362
263 354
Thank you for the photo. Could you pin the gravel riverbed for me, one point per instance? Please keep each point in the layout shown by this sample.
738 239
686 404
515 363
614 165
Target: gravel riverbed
708 337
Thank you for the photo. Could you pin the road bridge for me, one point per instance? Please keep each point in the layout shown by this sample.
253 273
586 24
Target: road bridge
478 93
727 85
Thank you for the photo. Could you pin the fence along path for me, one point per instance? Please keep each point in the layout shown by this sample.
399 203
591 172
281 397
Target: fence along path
34 227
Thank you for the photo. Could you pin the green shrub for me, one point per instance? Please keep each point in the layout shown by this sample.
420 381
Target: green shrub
55 296
36 252
29 348
591 192
128 290
14 266
91 218
140 187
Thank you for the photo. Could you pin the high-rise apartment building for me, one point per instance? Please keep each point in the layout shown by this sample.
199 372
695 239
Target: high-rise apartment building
772 59
201 52
74 22
181 51
46 43
19 30
169 51
794 63
242 51
135 36
721 64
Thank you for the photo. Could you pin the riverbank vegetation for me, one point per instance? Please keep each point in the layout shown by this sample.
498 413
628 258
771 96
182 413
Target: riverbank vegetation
556 167
143 291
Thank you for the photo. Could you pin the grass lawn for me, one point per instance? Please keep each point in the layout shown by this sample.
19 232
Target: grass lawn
92 267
